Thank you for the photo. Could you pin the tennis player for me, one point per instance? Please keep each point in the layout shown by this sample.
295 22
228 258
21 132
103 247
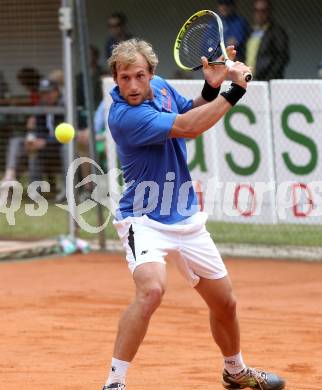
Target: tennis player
158 212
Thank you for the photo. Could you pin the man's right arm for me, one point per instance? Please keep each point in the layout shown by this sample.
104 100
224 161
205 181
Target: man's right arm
204 115
199 119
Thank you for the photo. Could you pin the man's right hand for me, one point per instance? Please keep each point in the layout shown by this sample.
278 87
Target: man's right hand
237 73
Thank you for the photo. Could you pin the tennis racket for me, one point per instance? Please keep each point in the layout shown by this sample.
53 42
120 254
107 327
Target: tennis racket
202 35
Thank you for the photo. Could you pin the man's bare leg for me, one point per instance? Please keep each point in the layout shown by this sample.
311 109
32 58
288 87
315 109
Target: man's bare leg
225 329
150 281
218 295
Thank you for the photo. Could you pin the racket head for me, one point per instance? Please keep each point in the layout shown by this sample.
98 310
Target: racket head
201 35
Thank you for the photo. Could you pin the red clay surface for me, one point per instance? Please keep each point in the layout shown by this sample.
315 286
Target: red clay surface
58 321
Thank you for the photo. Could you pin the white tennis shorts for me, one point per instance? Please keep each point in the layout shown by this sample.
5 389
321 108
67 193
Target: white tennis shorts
146 240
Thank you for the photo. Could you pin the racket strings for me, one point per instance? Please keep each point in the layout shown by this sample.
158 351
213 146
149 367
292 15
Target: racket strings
202 38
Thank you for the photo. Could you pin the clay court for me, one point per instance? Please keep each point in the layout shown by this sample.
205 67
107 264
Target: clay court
59 318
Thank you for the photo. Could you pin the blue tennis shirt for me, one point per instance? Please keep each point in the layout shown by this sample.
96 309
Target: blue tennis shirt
155 170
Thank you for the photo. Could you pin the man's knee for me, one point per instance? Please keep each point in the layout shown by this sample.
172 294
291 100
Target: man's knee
150 299
226 310
231 307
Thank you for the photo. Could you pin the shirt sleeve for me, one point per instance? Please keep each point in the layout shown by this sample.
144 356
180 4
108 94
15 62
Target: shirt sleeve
183 104
143 125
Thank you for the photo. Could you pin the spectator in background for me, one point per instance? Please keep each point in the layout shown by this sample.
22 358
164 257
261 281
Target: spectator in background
236 28
96 72
57 76
15 154
41 144
29 78
267 50
117 32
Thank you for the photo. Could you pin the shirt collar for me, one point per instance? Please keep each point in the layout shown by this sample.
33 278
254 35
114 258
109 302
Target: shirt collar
115 94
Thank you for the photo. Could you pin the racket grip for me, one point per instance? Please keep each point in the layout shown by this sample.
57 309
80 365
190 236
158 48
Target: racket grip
248 76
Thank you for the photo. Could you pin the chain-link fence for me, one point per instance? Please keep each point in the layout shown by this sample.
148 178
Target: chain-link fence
262 158
31 104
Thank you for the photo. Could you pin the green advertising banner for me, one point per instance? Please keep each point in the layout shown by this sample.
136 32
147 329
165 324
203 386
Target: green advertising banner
297 125
232 163
245 159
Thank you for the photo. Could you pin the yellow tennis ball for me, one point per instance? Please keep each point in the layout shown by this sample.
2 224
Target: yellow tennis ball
64 133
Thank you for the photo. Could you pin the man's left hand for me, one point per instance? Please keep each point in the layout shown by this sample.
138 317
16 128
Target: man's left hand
216 74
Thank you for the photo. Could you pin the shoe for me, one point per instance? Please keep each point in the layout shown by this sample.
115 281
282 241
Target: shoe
114 386
253 379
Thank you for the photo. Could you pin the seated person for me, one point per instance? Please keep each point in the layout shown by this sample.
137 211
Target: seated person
15 154
41 144
28 78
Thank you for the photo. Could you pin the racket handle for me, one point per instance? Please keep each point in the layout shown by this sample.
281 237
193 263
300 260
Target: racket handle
248 76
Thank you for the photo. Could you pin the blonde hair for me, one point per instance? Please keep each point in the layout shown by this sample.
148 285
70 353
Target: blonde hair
125 53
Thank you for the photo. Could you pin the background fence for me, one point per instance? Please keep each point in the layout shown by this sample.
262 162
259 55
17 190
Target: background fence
270 145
